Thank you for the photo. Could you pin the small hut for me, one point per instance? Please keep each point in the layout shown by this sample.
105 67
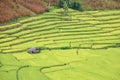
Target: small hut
33 50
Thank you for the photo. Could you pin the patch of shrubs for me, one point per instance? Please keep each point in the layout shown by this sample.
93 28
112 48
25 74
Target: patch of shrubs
71 4
76 5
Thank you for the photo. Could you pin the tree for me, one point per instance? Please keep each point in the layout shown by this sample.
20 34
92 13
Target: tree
71 4
68 2
48 6
65 7
61 3
76 5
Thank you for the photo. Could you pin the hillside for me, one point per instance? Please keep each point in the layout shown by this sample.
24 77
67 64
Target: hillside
10 9
81 46
72 44
100 4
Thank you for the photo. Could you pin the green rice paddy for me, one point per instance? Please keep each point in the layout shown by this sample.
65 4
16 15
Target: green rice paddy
80 46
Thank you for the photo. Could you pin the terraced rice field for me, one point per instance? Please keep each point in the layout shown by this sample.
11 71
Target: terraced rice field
80 46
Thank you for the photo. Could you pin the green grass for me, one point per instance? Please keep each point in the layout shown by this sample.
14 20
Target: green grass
49 65
80 46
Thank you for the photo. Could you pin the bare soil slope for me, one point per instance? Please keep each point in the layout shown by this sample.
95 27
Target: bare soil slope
10 9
